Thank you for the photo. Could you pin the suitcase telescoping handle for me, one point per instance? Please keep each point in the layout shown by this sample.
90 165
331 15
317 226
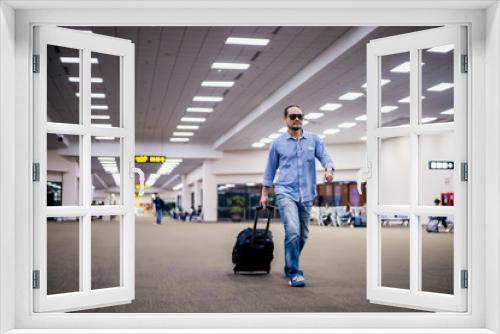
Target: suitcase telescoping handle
270 210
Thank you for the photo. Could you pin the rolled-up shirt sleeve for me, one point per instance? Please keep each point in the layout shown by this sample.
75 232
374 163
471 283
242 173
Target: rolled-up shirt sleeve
271 166
322 154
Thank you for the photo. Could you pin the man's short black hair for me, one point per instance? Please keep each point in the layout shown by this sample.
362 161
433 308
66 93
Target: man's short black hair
288 107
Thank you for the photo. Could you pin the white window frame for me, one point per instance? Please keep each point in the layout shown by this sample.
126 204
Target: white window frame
16 233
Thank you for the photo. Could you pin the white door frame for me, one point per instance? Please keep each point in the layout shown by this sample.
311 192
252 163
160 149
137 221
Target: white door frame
311 13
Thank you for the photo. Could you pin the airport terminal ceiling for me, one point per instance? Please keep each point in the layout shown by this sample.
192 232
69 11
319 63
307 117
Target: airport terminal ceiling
172 62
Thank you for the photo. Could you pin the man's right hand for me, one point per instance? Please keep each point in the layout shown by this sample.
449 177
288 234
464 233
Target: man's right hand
264 201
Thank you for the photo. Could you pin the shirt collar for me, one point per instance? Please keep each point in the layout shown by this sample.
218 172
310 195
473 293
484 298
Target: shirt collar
305 135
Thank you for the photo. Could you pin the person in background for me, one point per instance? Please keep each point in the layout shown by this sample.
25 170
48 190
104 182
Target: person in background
158 204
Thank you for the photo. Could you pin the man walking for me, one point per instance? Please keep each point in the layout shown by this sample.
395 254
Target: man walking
294 154
158 203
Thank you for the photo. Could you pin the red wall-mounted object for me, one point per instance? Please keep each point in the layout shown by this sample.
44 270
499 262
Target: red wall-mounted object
447 199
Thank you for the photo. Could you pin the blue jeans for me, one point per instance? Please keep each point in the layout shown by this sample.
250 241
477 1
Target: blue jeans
158 217
295 217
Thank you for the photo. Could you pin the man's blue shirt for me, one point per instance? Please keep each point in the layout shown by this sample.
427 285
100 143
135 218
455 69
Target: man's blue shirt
296 161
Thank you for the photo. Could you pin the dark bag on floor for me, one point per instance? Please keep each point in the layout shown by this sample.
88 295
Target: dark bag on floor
254 247
432 225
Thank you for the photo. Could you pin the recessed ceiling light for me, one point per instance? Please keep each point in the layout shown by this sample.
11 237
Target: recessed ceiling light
250 184
76 60
274 135
441 49
428 119
99 117
387 109
313 115
106 158
208 98
347 125
402 68
183 134
383 82
193 119
402 126
304 123
283 130
322 136
363 138
257 145
105 138
330 106
361 118
92 80
266 140
94 95
217 84
230 66
331 131
187 127
102 125
350 96
196 109
440 87
247 41
179 140
448 112
407 99
99 107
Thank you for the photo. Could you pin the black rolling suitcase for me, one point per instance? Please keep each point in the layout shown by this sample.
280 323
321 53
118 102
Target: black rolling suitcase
253 250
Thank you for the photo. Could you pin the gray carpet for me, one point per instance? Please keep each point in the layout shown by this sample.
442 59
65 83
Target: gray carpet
186 267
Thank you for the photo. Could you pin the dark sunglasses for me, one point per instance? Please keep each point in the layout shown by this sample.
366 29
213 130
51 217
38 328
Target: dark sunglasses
296 116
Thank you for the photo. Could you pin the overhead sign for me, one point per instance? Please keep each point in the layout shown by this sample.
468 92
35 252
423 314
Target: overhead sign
156 159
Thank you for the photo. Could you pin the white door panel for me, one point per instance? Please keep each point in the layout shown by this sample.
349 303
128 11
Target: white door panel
405 134
78 129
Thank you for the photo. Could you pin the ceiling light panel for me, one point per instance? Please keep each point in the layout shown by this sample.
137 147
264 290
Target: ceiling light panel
258 145
274 135
247 41
94 95
313 115
200 110
179 140
230 66
428 119
208 98
361 118
76 60
193 119
331 131
347 125
217 84
99 107
402 68
99 117
448 112
330 106
388 109
440 87
350 96
188 127
92 80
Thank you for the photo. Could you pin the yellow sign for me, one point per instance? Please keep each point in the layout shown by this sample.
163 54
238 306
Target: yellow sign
158 159
138 186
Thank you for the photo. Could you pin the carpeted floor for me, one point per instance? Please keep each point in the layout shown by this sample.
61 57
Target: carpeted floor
186 267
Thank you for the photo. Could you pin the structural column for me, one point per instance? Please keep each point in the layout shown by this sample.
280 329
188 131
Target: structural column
186 194
197 194
209 192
